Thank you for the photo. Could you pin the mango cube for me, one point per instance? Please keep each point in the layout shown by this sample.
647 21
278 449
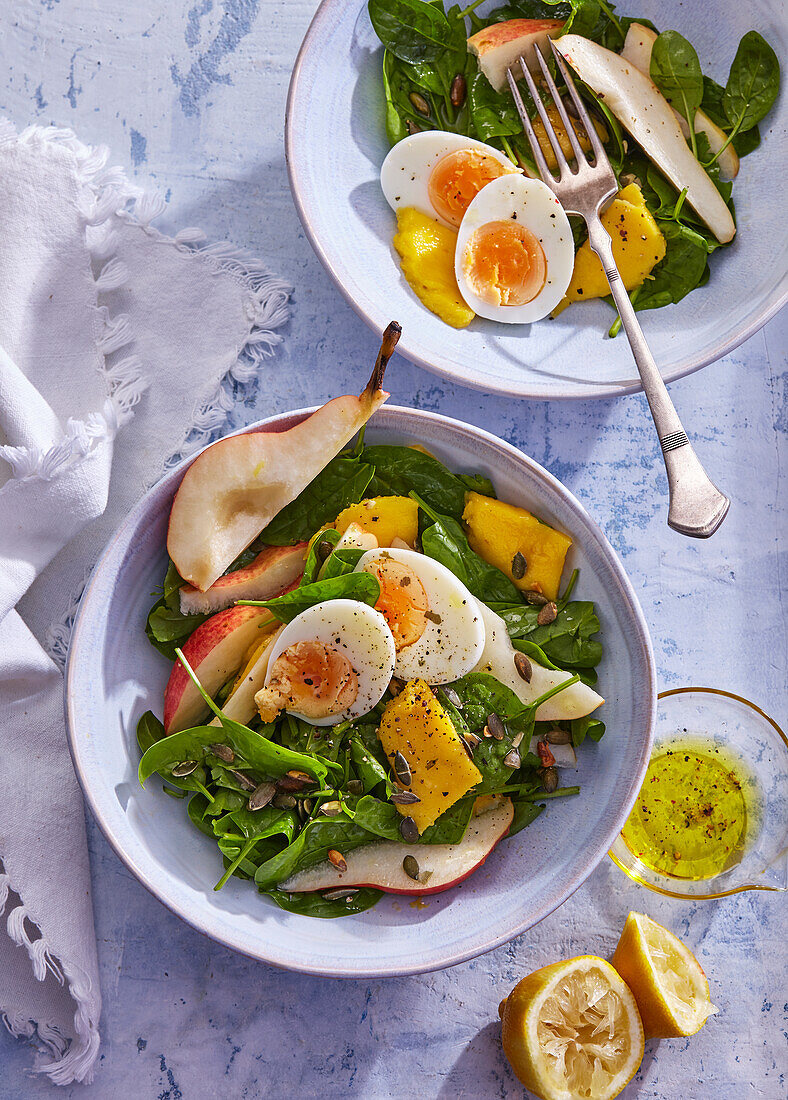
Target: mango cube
415 724
386 518
497 531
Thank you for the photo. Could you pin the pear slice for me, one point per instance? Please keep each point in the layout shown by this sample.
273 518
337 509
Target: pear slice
576 701
637 50
235 488
639 105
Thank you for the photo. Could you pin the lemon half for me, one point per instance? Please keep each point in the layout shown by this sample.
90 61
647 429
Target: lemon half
572 1030
669 985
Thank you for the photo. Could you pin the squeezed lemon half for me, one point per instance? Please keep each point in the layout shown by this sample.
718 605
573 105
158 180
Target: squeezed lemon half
572 1030
670 988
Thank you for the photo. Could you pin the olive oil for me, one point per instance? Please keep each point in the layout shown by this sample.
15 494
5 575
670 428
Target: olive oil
691 819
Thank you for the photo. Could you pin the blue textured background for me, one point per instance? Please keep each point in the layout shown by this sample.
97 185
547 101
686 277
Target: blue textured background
193 97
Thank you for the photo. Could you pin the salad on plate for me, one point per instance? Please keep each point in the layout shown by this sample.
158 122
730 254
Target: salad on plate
478 233
378 671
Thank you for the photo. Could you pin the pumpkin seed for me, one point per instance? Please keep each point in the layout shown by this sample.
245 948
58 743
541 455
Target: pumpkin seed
224 752
453 697
395 686
412 129
355 787
409 829
536 599
340 895
331 809
517 739
420 103
547 614
295 781
336 859
519 566
495 727
261 796
242 779
186 767
559 737
512 759
432 617
466 745
284 802
458 89
473 739
324 549
402 769
307 806
411 867
549 779
524 667
404 798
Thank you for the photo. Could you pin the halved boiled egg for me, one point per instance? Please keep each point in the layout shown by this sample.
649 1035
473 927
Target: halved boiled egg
437 628
440 173
515 255
333 661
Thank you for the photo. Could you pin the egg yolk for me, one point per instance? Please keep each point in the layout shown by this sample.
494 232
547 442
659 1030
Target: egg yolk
458 178
402 602
504 264
310 678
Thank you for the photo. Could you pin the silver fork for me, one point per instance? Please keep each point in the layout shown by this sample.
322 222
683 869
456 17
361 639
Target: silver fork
697 507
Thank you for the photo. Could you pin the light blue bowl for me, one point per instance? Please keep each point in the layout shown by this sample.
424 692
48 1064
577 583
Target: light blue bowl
336 142
114 675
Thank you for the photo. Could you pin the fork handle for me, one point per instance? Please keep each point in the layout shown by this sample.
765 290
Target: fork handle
697 507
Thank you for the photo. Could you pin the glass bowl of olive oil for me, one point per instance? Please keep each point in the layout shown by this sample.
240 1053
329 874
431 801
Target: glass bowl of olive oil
711 818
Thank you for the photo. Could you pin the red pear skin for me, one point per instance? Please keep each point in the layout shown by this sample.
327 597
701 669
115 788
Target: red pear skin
215 651
273 570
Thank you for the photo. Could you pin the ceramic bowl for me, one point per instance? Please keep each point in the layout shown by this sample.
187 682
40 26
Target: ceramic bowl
114 675
336 143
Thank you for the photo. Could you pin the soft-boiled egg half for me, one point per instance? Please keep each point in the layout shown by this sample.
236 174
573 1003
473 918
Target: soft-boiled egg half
438 631
514 254
333 661
440 173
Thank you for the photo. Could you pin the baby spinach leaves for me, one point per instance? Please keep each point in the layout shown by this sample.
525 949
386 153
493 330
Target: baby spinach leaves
399 471
341 482
753 83
412 30
349 586
675 69
166 626
316 905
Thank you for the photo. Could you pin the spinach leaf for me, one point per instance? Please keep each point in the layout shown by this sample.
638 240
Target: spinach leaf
535 652
367 766
567 641
340 483
198 805
679 272
410 29
583 18
746 140
478 483
313 563
493 114
149 731
253 749
311 846
342 562
524 814
446 542
675 69
325 741
351 586
396 129
399 471
316 905
753 82
586 727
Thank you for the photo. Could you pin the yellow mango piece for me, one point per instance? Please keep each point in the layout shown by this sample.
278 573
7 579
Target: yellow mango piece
426 249
497 531
386 518
561 134
638 246
415 724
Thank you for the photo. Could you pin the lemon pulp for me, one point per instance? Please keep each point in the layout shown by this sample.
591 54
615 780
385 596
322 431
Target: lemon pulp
690 818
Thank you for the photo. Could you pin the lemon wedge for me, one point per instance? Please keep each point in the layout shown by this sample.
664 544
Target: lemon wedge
572 1030
669 985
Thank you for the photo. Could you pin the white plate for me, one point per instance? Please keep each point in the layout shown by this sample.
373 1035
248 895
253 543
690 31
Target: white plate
336 142
114 675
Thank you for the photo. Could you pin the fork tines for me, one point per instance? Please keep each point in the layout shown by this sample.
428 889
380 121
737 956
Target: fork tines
563 165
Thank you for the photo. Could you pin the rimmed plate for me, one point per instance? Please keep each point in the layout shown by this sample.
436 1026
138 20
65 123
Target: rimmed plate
114 675
335 144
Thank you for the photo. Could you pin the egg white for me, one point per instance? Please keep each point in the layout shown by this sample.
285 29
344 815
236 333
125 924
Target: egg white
532 204
405 173
449 648
358 632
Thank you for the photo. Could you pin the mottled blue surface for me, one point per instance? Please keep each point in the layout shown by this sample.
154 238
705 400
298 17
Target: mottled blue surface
193 96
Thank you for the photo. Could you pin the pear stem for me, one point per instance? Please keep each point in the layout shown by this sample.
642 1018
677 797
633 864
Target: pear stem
387 346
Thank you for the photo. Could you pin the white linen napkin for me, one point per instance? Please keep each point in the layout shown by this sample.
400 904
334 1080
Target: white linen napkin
103 321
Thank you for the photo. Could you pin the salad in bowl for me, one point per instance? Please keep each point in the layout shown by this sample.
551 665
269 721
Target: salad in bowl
378 672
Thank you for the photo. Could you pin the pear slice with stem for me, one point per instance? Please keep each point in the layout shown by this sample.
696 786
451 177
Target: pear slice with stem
639 106
234 489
